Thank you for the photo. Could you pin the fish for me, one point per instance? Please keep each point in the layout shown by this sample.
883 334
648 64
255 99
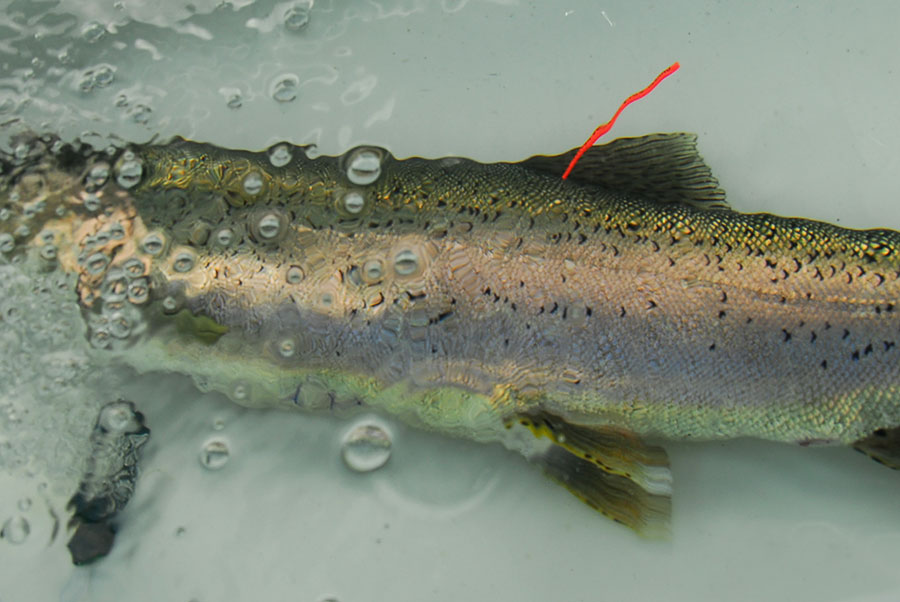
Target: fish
581 322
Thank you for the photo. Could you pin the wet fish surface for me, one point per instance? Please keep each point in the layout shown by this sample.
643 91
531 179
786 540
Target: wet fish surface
573 321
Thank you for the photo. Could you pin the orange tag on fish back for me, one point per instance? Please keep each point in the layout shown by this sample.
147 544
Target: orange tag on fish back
608 125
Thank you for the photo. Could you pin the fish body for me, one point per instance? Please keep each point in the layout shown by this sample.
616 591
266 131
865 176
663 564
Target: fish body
491 301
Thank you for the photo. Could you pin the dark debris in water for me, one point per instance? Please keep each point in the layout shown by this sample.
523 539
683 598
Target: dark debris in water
108 482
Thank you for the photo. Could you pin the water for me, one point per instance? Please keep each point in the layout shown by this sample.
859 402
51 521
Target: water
795 105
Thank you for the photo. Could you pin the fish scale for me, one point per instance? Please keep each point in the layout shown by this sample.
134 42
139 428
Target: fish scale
496 302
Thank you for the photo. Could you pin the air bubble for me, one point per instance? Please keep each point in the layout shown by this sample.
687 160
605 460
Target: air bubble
15 530
96 263
118 417
152 244
225 237
24 504
138 291
364 166
100 338
373 271
284 88
184 262
215 454
141 114
130 170
296 16
280 155
287 348
134 267
354 202
119 325
253 183
294 274
269 226
48 252
170 304
116 231
115 287
240 392
97 177
104 76
93 31
406 263
234 101
366 447
91 202
7 243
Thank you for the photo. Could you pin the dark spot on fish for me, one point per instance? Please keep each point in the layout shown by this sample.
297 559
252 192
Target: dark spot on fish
888 345
724 298
622 311
721 314
824 364
813 337
868 349
855 356
588 311
712 347
787 335
846 334
770 263
651 303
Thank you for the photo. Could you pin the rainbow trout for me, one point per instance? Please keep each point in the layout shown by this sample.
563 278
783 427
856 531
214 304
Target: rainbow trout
573 321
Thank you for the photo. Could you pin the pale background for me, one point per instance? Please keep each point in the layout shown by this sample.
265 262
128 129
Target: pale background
796 108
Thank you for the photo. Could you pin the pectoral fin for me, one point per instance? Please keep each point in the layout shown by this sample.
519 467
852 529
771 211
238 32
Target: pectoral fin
617 497
883 446
610 469
613 450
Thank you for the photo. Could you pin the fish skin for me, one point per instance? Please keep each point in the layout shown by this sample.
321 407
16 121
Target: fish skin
501 290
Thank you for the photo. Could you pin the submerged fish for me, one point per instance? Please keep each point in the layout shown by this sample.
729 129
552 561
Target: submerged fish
569 320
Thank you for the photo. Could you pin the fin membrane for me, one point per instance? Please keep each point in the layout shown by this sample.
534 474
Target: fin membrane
883 446
666 168
614 451
617 497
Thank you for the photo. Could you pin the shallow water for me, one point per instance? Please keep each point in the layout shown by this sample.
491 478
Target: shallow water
795 106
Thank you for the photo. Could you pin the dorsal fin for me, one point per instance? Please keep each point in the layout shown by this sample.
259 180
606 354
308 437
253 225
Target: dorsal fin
662 167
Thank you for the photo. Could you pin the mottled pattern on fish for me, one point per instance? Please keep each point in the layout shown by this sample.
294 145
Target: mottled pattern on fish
467 297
